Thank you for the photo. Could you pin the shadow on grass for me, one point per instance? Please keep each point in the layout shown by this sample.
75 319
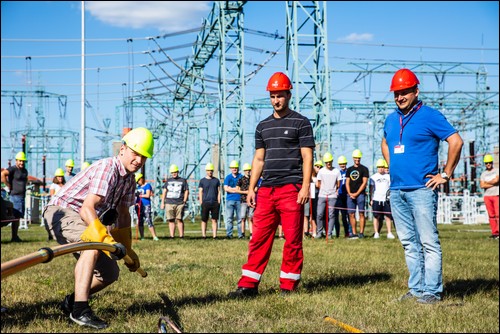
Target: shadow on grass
332 281
468 287
22 314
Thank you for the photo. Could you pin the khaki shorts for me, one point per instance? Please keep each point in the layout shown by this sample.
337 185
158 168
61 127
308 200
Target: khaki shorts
174 212
66 226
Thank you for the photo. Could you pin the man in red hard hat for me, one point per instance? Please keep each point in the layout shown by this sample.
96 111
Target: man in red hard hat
412 134
284 146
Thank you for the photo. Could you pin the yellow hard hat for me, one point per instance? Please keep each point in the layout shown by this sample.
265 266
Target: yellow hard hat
234 164
70 163
21 156
488 158
247 166
381 163
85 165
173 168
342 160
357 154
209 166
141 141
327 157
59 172
138 176
319 163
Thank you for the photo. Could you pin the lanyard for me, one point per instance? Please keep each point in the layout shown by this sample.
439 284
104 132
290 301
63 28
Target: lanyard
412 112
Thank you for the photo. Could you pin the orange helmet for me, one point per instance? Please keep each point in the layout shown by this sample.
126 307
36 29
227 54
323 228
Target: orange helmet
402 79
279 81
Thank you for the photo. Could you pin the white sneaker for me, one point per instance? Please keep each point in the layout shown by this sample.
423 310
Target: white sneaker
390 236
376 236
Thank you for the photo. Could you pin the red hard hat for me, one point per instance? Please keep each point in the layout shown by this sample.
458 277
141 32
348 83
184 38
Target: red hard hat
279 81
402 79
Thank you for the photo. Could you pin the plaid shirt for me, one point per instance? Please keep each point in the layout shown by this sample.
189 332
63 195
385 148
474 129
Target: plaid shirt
106 178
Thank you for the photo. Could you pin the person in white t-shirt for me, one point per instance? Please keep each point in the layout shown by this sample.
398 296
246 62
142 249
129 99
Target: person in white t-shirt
58 181
328 183
379 201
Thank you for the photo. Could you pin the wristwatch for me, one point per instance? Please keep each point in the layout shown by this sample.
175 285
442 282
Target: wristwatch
445 176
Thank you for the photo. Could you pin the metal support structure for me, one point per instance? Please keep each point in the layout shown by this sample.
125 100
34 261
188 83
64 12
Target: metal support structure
307 61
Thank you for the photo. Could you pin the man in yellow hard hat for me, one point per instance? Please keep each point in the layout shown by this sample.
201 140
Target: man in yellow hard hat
70 165
209 198
233 197
173 199
95 201
341 202
381 207
357 177
489 182
245 211
15 179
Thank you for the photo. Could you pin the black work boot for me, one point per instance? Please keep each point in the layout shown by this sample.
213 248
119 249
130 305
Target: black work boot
243 293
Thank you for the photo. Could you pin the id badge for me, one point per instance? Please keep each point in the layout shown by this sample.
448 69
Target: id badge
398 149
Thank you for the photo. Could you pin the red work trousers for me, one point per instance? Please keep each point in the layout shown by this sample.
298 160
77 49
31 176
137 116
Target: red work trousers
491 203
274 205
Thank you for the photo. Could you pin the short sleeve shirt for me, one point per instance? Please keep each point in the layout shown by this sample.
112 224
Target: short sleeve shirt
18 178
176 187
282 138
356 175
107 178
210 190
487 176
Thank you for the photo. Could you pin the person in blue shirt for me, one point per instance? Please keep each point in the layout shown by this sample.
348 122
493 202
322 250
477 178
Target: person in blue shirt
410 145
144 193
233 199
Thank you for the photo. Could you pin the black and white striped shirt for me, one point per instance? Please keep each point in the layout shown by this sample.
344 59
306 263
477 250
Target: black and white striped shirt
282 139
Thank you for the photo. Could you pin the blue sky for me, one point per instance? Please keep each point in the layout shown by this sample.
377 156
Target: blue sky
358 32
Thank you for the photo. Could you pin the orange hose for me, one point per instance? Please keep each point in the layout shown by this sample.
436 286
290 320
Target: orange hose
348 328
46 254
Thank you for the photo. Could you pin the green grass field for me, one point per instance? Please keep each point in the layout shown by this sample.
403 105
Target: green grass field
352 281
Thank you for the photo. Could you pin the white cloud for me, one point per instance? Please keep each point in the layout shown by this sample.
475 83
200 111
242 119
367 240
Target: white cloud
354 37
166 16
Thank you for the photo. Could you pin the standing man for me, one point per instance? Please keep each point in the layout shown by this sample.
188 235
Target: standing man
70 164
233 198
144 192
341 202
16 179
175 195
246 211
100 195
284 144
356 181
209 197
410 146
489 182
381 208
328 184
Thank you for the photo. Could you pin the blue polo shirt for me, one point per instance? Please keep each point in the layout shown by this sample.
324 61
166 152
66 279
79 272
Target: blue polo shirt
420 132
232 181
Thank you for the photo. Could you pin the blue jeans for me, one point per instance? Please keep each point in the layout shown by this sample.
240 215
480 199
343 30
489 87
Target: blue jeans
414 213
18 205
233 210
